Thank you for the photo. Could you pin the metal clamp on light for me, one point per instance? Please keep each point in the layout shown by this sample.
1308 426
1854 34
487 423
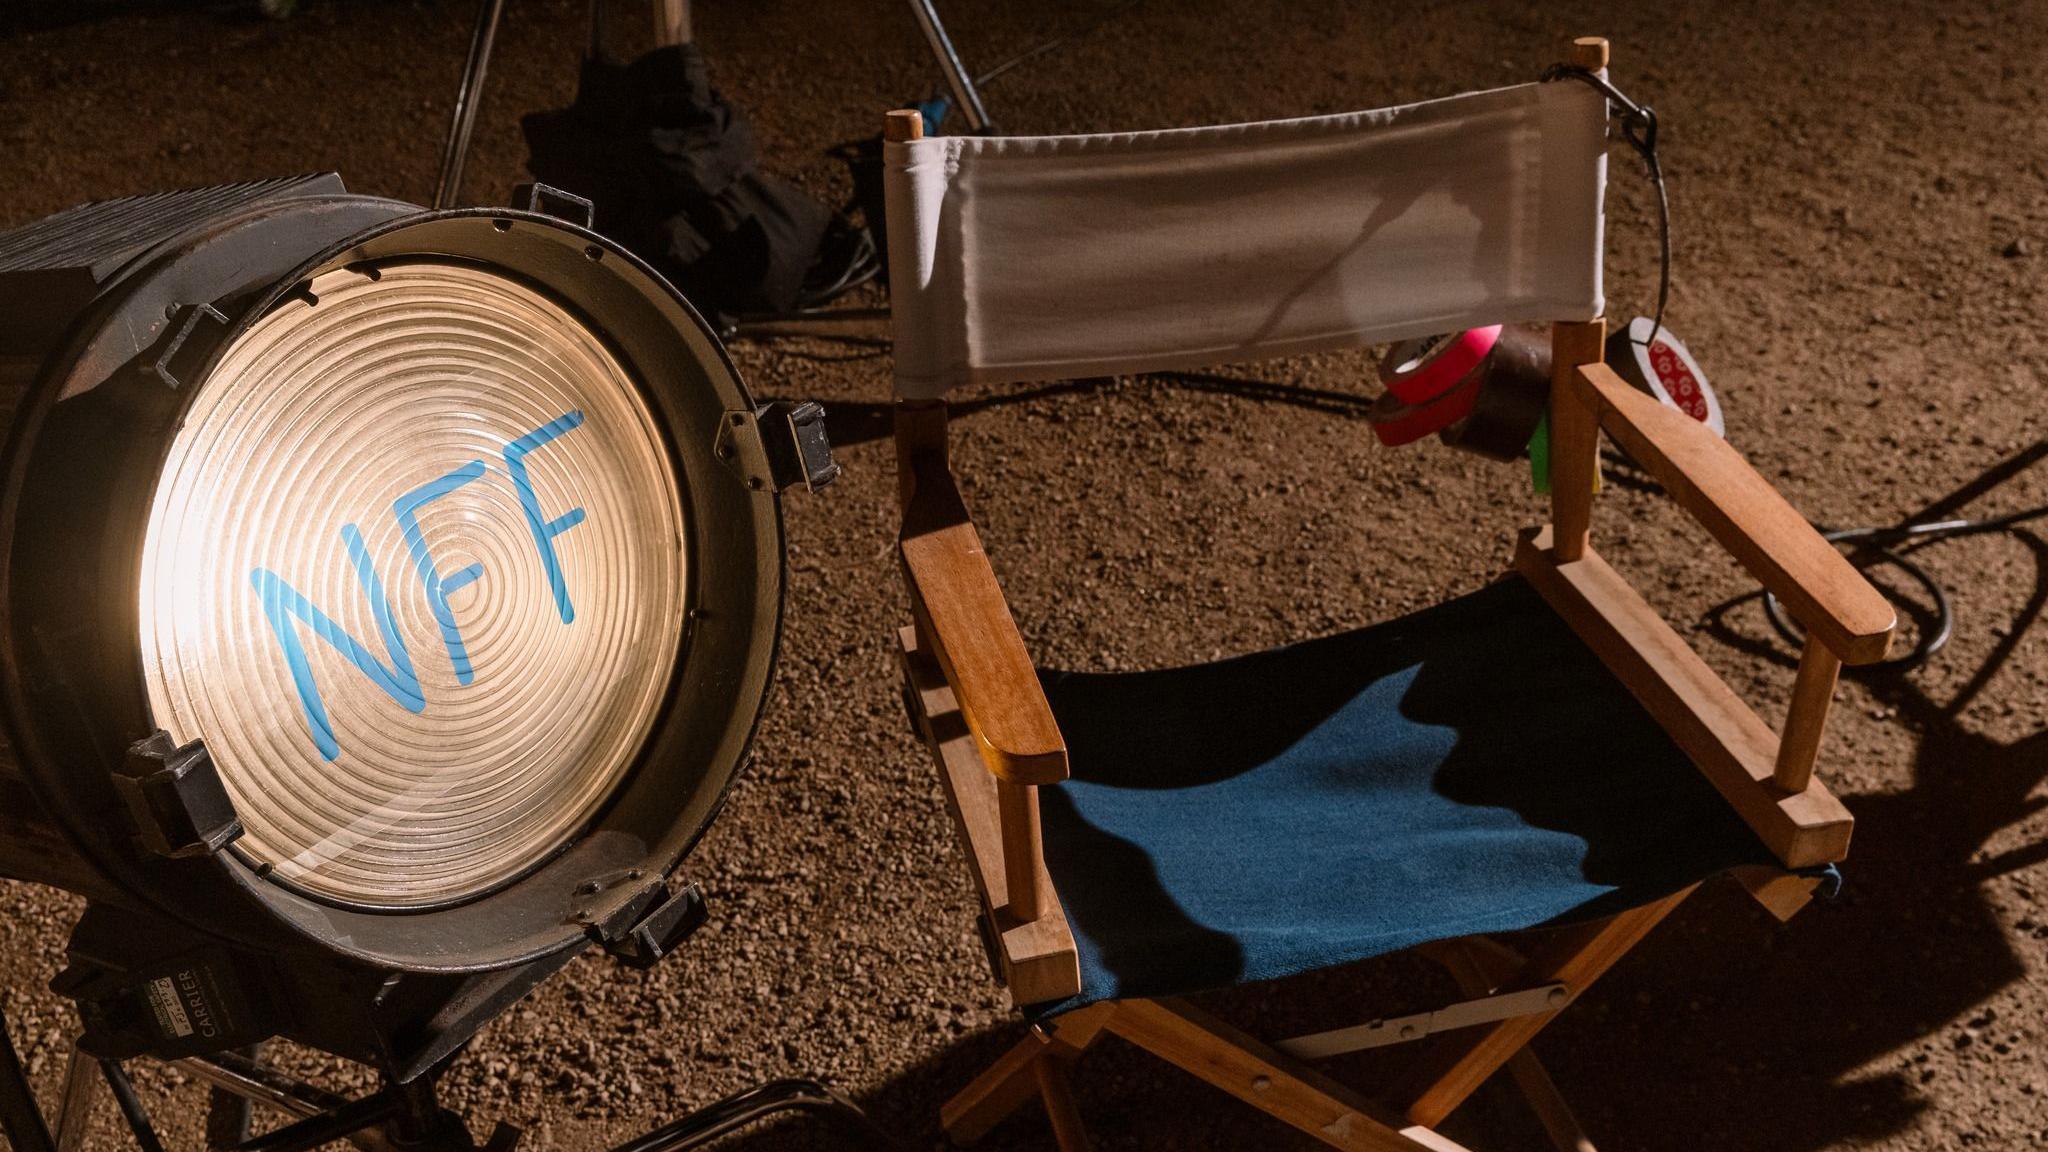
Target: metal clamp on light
778 446
534 197
661 930
176 799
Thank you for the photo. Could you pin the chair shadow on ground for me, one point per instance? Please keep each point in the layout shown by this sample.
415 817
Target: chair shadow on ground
1720 1005
1915 950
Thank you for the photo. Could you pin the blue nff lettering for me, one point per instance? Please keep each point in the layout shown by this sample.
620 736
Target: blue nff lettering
283 604
545 530
438 587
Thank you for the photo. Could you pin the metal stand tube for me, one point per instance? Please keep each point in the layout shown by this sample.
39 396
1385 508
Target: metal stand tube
463 120
957 79
743 1108
20 1118
131 1106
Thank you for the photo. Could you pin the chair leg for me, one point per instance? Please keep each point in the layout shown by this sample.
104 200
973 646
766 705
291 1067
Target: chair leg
1461 1061
1782 894
1265 1078
1067 1130
994 1094
1548 1103
1025 1070
1479 967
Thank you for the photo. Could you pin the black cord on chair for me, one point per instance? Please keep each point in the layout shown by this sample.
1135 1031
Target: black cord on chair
1639 128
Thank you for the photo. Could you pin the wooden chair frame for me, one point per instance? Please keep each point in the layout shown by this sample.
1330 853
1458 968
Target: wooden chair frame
974 695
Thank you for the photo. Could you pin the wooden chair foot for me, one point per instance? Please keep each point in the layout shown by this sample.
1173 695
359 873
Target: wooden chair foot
994 1094
1037 1065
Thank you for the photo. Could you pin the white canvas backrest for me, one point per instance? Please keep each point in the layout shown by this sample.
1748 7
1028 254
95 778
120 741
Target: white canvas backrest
1056 257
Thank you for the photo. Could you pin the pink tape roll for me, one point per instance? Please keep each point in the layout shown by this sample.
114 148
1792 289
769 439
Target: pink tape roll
1419 371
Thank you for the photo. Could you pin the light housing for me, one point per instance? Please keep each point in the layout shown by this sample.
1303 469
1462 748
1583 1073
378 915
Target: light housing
218 385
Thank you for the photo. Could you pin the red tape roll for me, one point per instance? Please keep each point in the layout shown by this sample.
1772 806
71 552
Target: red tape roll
1396 423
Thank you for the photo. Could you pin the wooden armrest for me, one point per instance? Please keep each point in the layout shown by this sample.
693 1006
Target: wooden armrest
1711 480
961 608
1033 948
1804 826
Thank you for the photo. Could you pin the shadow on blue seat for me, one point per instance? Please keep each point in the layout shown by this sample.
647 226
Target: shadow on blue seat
1471 768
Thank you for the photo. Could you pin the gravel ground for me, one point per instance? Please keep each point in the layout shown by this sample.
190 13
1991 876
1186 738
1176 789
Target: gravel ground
1861 198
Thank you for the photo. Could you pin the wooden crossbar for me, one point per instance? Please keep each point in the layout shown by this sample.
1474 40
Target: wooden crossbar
1461 1061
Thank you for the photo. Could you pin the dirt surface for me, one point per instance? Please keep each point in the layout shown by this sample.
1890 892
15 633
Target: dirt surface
1861 197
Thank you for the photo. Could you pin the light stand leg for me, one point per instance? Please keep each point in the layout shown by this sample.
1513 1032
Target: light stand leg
20 1118
463 120
957 79
672 23
131 1106
228 1115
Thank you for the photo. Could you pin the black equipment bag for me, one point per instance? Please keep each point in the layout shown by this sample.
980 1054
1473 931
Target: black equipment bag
671 169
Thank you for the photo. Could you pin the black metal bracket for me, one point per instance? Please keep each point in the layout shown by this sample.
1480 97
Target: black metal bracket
175 796
661 931
194 313
778 446
534 197
798 448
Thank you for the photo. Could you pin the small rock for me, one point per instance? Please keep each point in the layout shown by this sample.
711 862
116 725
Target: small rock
2019 249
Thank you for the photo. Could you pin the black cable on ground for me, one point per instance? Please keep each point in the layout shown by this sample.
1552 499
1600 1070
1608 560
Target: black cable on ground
1887 546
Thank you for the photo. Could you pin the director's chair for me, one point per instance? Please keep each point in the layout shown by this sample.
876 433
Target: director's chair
1545 753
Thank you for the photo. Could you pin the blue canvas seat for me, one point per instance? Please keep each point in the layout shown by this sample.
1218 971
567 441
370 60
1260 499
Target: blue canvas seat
1471 768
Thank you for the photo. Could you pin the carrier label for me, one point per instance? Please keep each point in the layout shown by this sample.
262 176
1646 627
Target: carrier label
164 1001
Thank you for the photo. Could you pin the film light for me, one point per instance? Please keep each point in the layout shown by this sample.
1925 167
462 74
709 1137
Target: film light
387 600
